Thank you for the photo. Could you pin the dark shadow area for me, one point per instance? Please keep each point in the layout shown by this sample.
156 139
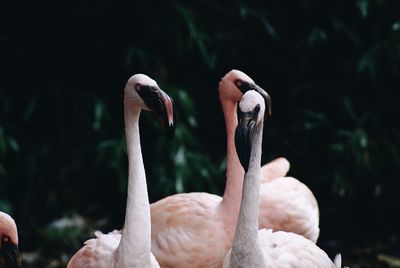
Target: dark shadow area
332 69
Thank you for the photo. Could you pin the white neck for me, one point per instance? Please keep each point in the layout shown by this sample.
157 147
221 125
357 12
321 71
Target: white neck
234 170
136 235
246 250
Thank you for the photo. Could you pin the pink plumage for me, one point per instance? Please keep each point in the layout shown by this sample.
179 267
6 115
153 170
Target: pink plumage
197 229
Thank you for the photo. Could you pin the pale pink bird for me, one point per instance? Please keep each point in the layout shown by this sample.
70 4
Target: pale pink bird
255 248
9 252
131 247
197 229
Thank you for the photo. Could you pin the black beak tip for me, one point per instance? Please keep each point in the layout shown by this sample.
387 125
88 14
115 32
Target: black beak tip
10 256
170 132
267 100
268 104
170 126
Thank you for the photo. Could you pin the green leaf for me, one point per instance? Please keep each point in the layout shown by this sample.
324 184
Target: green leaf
363 7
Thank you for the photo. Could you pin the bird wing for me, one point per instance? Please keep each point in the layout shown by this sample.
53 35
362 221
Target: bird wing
97 252
285 249
186 231
286 204
277 168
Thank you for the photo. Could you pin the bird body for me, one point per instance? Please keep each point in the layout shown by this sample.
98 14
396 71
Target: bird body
289 250
131 247
194 224
99 252
286 204
253 248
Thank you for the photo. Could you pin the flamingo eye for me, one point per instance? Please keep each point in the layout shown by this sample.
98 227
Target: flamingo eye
138 86
6 239
238 82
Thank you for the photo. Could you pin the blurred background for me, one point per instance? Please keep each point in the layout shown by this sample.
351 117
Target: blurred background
332 69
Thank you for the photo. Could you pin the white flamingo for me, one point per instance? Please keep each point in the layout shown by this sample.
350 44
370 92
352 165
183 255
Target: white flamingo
9 252
253 248
131 247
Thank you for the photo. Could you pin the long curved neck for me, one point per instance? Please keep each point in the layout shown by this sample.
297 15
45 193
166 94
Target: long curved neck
234 170
136 234
246 251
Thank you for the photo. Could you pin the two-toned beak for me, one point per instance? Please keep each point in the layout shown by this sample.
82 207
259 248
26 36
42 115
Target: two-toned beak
245 86
10 256
247 121
162 105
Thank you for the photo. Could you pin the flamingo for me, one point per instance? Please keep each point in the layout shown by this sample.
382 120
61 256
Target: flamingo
286 204
255 248
9 252
131 247
197 229
181 222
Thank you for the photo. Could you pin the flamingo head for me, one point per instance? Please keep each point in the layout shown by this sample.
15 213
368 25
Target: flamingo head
236 83
146 94
9 252
250 114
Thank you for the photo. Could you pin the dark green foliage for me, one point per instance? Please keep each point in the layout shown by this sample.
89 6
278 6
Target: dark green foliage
332 69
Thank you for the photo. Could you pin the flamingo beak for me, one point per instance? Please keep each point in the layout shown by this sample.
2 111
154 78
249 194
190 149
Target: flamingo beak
247 121
245 86
162 105
10 256
167 117
267 98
